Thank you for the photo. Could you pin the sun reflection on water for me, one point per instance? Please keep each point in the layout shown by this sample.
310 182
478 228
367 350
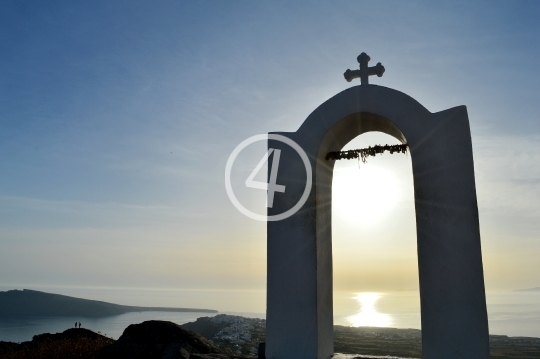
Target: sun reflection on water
368 316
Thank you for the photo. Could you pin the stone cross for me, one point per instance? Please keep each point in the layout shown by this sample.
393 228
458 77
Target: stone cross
364 71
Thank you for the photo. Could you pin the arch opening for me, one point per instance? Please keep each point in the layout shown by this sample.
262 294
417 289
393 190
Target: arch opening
337 137
374 254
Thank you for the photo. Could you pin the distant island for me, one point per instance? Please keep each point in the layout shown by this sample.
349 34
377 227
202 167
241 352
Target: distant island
32 303
535 289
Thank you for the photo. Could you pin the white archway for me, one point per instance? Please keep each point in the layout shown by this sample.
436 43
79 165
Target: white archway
299 288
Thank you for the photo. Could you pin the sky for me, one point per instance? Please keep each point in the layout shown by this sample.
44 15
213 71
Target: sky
117 120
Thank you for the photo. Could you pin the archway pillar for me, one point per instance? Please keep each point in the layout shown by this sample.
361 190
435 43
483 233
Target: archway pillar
299 282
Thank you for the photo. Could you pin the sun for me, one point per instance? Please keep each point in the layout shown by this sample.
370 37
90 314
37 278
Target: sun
368 316
364 195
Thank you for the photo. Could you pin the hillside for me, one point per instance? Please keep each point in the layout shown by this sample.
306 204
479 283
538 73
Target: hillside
150 339
243 335
234 337
72 343
32 303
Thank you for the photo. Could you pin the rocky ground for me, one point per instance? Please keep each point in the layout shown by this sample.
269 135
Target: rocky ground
73 343
243 335
378 341
161 339
148 340
239 335
234 337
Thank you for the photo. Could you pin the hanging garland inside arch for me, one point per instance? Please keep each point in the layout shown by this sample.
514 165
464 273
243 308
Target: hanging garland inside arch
363 153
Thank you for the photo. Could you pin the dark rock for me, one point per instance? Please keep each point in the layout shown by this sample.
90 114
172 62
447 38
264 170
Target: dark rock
205 327
160 339
72 343
69 334
6 347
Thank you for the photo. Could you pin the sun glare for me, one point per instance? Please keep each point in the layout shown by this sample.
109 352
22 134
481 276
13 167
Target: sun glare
364 195
368 316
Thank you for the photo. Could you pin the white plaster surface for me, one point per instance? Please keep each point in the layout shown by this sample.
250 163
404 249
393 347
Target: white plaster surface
299 283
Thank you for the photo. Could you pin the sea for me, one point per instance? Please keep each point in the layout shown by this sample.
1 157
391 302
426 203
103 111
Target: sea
512 313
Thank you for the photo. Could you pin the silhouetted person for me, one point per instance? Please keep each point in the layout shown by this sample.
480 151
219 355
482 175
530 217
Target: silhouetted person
75 324
79 324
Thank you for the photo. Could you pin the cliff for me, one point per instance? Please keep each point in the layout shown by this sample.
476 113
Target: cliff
31 303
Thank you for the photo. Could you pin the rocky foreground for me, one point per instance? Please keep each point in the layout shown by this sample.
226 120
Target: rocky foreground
150 339
73 343
233 337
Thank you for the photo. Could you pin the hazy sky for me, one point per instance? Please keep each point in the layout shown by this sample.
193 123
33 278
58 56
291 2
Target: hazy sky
117 119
